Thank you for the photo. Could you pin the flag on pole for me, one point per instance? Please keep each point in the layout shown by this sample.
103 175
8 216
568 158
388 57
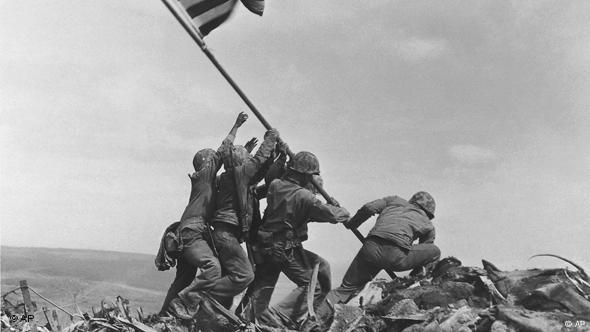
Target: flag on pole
255 6
209 14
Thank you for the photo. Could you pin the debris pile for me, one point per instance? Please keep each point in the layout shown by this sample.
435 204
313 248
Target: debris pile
450 298
459 298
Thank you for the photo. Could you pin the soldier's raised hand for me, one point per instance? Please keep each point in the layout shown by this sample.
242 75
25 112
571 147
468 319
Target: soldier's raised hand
242 117
251 144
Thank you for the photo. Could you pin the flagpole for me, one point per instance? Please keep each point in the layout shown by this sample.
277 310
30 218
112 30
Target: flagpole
196 36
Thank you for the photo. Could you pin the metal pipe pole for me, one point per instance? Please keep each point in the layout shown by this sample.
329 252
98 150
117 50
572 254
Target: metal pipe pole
196 36
199 40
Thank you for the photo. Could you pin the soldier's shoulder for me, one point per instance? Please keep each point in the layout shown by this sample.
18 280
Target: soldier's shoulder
304 195
276 183
395 200
281 185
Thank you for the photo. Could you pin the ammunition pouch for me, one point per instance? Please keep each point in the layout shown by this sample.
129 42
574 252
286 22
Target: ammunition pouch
264 239
276 247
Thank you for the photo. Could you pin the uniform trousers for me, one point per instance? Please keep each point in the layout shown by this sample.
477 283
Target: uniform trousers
297 264
375 255
196 254
237 272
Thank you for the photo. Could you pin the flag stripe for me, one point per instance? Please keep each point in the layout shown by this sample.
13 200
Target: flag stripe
188 3
255 6
207 27
204 6
208 14
221 11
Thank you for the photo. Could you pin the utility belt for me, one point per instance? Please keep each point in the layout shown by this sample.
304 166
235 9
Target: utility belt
185 234
276 246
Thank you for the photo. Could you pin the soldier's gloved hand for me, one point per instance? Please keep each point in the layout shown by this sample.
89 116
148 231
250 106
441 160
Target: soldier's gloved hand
342 216
242 117
273 133
282 147
251 144
334 202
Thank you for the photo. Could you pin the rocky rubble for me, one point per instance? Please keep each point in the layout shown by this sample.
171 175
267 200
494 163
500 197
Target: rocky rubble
458 298
450 298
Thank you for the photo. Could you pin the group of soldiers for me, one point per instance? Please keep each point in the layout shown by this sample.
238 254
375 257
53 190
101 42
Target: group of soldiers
223 212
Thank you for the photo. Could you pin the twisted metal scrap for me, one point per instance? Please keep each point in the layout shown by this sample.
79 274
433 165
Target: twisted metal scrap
492 289
576 282
580 269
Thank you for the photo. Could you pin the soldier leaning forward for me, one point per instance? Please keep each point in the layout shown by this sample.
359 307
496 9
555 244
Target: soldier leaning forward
289 208
233 217
389 245
194 251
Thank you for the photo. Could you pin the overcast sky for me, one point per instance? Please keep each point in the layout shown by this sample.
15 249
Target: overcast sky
485 104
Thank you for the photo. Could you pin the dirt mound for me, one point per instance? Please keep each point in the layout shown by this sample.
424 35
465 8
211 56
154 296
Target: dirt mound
450 298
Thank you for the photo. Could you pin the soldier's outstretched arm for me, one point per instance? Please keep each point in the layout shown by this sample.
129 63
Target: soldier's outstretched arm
228 141
242 117
263 153
367 211
321 212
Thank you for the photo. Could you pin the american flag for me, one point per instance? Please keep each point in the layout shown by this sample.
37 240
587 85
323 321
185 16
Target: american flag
209 14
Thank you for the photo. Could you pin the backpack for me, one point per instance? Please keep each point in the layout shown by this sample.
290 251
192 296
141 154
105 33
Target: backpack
172 244
170 248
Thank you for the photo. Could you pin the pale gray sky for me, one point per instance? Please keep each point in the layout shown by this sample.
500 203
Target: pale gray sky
485 104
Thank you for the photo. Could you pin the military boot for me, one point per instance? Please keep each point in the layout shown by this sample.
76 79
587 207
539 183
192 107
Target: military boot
185 305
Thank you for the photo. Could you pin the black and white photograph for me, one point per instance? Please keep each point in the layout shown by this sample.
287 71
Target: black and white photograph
281 165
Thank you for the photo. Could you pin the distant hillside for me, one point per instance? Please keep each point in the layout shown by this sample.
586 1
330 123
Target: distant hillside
91 275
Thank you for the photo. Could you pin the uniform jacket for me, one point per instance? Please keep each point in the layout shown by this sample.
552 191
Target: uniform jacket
399 221
202 197
290 206
240 180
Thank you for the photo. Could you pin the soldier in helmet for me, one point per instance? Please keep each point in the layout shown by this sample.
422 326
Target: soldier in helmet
389 244
233 216
193 229
290 206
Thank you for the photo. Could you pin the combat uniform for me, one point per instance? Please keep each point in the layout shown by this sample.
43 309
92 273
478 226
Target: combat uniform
289 208
233 217
387 246
193 230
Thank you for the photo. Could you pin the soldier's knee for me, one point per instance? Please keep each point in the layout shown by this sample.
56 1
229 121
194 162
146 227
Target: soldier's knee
244 279
435 252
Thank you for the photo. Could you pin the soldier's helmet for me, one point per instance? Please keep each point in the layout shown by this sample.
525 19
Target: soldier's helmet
425 201
201 157
305 162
